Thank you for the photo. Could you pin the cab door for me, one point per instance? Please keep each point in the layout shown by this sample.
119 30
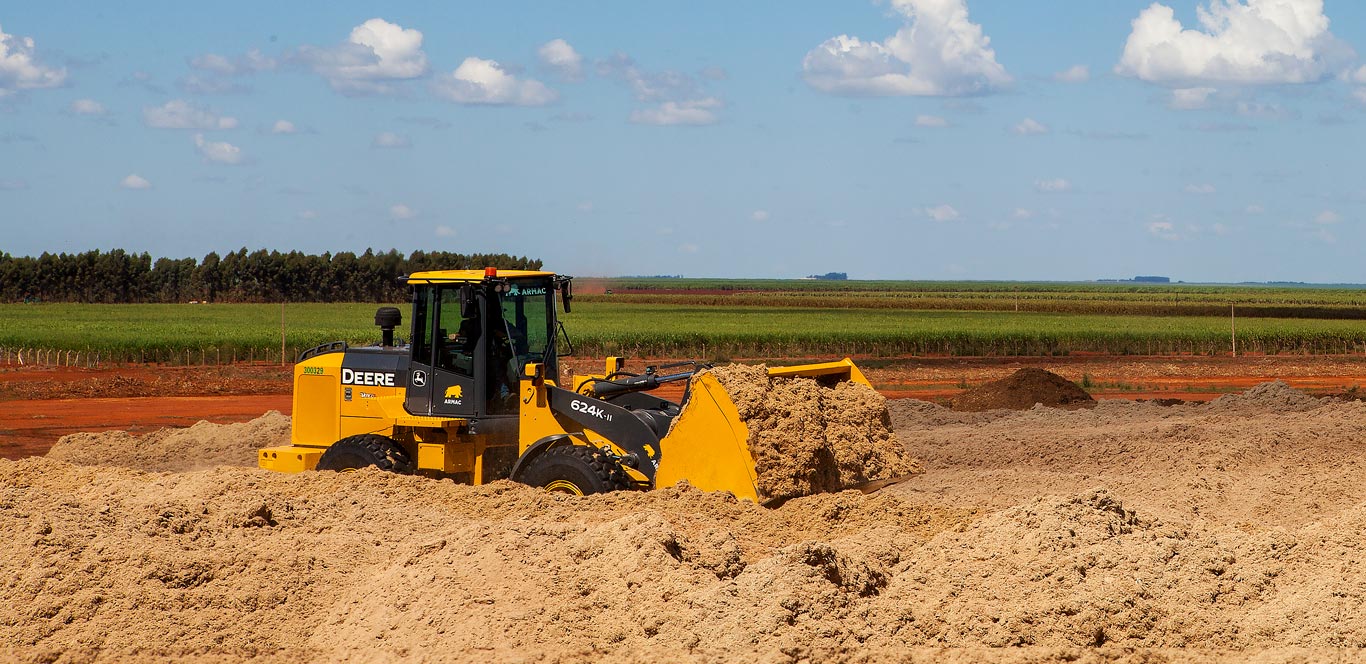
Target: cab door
446 352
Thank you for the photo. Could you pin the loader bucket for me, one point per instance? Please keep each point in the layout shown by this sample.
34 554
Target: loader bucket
709 442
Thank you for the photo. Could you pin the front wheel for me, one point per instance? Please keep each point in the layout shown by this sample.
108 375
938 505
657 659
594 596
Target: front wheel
576 470
364 451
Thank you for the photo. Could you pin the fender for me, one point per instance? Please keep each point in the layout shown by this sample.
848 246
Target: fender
537 448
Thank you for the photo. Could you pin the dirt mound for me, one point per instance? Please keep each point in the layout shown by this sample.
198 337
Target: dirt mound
1023 390
117 564
203 445
114 564
1275 396
807 438
1125 532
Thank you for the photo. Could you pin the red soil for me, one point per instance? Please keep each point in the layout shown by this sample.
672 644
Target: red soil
39 405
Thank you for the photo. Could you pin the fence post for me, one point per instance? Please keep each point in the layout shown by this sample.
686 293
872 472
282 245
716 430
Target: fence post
1233 329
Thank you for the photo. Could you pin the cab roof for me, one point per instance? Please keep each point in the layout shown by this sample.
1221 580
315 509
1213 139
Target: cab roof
468 276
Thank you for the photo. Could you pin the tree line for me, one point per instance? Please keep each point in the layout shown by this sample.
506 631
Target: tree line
120 277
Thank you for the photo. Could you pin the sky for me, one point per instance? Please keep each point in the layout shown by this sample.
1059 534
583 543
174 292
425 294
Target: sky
1218 140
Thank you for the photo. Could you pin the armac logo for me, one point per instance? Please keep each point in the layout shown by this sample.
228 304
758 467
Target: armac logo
378 378
454 392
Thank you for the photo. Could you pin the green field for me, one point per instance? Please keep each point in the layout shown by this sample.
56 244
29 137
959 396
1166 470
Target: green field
637 326
1279 301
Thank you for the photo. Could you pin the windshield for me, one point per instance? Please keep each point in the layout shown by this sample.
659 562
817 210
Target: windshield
526 310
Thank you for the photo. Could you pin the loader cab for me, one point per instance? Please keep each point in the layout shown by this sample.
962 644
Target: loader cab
473 333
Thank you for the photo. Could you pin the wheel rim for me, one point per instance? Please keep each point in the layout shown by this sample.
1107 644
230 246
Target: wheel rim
564 486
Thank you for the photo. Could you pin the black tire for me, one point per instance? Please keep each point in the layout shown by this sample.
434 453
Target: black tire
575 469
364 451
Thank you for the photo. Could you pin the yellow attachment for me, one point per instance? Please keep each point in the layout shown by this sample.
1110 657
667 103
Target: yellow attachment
581 382
288 458
833 371
707 445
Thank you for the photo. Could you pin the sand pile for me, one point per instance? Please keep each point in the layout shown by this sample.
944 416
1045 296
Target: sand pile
1275 396
807 438
113 564
1236 462
1126 532
203 445
1023 390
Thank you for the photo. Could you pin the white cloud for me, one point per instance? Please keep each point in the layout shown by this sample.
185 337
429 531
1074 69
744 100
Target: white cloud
135 181
479 81
584 206
306 215
181 114
1190 99
679 99
930 121
759 215
937 52
444 231
1327 217
1029 127
21 70
1360 95
688 248
401 211
222 153
1023 213
1163 229
1073 74
1221 229
13 185
1255 209
942 213
1252 42
87 107
1202 189
1255 109
647 86
377 55
211 85
561 58
1054 186
1358 76
689 112
254 61
283 127
388 139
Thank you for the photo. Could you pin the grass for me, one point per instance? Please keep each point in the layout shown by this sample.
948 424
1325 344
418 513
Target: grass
195 333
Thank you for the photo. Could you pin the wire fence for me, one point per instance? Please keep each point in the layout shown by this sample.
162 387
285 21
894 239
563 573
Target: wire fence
104 358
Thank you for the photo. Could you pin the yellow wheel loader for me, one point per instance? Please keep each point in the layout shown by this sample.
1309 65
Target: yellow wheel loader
472 396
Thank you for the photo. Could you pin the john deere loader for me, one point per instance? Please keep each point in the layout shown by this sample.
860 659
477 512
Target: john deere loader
472 395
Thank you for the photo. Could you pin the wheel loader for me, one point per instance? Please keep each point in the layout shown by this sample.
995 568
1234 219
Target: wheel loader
473 395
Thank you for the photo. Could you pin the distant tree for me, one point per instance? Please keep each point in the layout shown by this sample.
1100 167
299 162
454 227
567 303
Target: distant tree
238 276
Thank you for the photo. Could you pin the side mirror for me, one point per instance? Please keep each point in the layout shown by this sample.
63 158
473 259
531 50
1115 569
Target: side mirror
467 302
566 294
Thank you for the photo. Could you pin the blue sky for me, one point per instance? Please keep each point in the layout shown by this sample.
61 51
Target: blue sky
908 139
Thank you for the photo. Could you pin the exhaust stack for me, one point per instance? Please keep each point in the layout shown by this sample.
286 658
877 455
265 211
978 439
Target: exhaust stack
388 318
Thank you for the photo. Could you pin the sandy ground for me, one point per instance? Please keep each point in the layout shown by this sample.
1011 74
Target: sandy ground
1231 531
38 405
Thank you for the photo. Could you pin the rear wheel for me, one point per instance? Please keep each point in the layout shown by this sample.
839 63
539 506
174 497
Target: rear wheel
575 469
364 451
